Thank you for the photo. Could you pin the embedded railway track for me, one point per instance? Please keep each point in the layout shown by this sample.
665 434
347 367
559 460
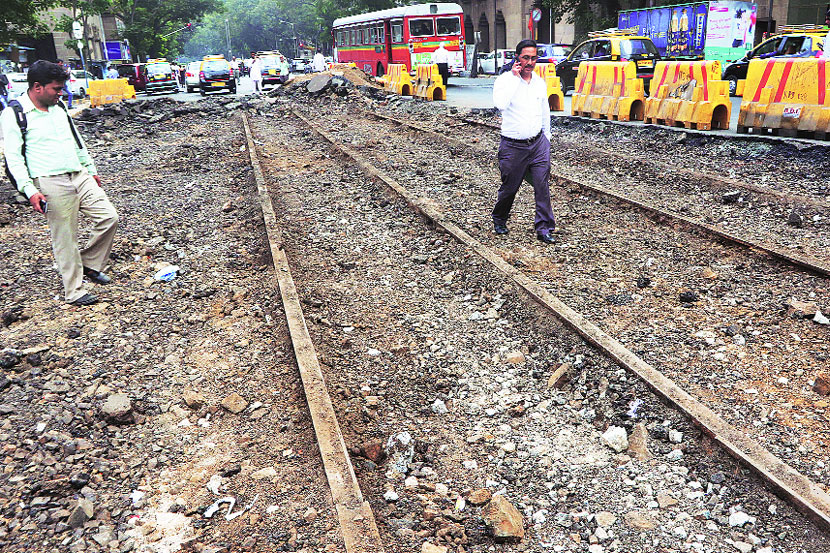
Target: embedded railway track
805 495
808 262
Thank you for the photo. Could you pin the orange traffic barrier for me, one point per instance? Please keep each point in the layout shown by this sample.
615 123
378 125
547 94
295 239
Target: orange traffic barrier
787 96
398 80
109 91
608 89
428 83
556 98
689 93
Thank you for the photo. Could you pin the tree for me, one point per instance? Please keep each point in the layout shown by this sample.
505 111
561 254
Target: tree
22 18
147 21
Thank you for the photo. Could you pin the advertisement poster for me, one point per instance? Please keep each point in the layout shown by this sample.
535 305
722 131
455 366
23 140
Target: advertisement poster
730 30
116 50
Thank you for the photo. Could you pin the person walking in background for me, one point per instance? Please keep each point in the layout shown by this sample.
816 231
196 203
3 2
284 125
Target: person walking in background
441 58
4 90
319 62
522 98
256 73
112 72
54 170
66 89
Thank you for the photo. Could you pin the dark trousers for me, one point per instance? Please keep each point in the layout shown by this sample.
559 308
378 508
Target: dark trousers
515 160
444 69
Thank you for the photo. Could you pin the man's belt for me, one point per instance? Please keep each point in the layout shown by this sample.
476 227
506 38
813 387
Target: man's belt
522 140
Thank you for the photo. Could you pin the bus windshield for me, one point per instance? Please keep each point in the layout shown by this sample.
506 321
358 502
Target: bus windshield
421 27
449 25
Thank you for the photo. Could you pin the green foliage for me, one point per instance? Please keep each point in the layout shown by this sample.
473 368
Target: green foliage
147 21
81 11
22 18
260 25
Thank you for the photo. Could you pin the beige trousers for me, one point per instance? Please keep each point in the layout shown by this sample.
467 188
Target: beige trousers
67 195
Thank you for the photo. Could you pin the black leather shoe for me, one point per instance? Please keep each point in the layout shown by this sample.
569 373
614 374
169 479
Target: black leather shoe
499 228
96 276
86 299
545 237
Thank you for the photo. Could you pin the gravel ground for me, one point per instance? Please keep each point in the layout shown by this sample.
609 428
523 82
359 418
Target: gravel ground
417 335
176 350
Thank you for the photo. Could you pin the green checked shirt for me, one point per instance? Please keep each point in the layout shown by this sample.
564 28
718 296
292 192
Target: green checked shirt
50 147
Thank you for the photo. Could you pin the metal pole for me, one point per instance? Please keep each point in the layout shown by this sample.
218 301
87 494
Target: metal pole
495 42
228 31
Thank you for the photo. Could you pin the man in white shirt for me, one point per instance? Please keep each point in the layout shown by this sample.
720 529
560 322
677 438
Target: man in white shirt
521 96
319 62
256 73
441 58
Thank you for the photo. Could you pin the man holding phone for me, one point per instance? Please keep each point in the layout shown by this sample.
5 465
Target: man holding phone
522 98
50 164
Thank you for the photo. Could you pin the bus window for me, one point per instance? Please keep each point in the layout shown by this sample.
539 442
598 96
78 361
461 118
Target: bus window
397 32
351 38
364 35
381 37
374 35
421 27
449 25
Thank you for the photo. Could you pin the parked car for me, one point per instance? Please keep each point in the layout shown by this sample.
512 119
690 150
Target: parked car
191 75
796 43
610 47
134 73
78 82
159 77
299 65
552 53
215 73
489 62
20 84
275 68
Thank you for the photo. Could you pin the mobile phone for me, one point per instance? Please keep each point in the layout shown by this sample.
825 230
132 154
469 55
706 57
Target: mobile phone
44 206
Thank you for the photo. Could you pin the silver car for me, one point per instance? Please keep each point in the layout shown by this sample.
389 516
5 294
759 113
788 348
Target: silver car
191 75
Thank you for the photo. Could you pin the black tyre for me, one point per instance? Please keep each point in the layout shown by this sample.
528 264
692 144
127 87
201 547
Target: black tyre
202 92
232 90
379 71
733 84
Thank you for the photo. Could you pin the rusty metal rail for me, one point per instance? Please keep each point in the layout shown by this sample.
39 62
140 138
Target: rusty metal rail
804 494
719 181
357 522
790 256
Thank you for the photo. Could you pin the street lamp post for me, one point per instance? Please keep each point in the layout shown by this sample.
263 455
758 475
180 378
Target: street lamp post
228 32
293 37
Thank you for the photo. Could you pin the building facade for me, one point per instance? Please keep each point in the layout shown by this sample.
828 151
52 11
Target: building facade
503 23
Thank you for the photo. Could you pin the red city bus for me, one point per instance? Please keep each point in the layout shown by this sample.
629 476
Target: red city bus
407 35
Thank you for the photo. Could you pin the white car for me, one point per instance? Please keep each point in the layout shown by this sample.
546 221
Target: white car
78 82
299 65
19 84
490 63
191 75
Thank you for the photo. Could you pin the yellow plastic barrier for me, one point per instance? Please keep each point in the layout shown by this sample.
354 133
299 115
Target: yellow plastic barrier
428 83
608 89
398 80
787 96
109 91
689 93
556 99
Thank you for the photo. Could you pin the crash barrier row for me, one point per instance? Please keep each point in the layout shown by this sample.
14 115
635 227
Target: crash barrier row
109 91
428 83
689 93
787 97
397 79
556 99
608 89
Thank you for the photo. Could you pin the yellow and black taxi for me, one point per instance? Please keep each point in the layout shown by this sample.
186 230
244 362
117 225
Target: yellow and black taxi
275 68
793 41
159 76
610 45
215 73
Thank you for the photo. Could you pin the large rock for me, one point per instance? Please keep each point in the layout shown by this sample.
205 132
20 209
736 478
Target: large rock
480 496
503 520
638 442
117 409
193 399
428 547
234 403
639 520
616 438
400 448
82 512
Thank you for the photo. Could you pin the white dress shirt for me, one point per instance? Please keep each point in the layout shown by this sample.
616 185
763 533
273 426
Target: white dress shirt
441 55
523 105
